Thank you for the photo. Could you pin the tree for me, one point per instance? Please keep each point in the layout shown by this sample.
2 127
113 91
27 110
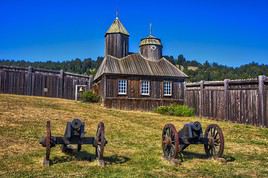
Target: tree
98 61
170 59
181 60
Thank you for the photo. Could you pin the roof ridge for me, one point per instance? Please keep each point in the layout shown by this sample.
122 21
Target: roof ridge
101 69
135 54
136 64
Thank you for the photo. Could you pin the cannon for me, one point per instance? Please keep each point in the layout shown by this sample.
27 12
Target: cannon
74 134
173 142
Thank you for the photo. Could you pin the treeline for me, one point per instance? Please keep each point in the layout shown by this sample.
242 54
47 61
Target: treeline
195 70
86 66
213 71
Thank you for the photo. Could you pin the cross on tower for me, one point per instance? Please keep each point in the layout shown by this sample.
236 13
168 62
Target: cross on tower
150 29
116 14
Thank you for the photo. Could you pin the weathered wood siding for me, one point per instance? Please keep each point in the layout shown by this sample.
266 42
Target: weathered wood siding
117 45
138 103
133 100
149 53
40 82
134 88
241 101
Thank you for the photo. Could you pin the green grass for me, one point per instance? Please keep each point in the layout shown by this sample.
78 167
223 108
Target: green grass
134 143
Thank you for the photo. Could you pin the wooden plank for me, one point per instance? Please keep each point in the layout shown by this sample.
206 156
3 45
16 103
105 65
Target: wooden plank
201 93
226 98
29 80
261 100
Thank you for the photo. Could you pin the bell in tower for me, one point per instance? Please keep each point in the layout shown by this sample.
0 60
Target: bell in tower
117 40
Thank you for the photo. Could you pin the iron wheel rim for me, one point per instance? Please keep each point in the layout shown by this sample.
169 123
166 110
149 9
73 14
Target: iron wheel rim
215 146
100 141
48 141
170 142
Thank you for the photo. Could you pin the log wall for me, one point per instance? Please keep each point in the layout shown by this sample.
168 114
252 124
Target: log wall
241 101
138 103
134 88
107 88
40 82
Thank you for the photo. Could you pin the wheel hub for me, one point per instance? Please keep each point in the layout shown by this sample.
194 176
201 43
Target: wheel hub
211 141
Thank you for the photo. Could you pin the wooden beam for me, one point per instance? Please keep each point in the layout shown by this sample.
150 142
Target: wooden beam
261 93
226 99
61 84
29 81
201 98
104 86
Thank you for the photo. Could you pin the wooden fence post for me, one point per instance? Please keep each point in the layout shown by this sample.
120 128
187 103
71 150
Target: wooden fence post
90 80
61 89
265 119
226 98
201 98
184 95
261 100
29 81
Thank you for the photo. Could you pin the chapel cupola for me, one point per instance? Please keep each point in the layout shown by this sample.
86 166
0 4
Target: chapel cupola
151 47
117 40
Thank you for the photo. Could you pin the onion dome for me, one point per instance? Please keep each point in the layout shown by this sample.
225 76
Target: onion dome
150 40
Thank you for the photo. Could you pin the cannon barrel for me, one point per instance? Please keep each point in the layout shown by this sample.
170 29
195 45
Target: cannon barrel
196 126
196 129
76 124
191 130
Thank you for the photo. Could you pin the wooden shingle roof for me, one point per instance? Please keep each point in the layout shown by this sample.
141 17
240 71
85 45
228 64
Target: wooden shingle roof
117 27
135 64
150 40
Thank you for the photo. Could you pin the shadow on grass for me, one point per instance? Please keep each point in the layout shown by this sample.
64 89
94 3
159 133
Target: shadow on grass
116 159
229 158
192 155
71 156
86 156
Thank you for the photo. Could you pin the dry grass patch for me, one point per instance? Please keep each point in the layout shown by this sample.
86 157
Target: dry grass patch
134 146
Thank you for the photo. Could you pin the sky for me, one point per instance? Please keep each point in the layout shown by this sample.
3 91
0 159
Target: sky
227 32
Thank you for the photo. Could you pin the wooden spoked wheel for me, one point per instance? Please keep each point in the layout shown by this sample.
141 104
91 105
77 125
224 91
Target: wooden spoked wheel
100 141
170 142
48 144
215 146
79 147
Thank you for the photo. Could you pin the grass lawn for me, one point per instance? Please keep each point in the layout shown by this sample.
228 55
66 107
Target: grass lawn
134 143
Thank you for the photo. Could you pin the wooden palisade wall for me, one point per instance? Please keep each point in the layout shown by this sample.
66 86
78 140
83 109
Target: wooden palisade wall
40 82
242 101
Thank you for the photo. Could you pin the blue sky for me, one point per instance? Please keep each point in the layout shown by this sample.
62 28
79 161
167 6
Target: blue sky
228 32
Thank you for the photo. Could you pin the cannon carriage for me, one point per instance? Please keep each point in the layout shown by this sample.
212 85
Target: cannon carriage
74 134
173 142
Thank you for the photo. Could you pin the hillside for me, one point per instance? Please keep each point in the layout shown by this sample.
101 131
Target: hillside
134 146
